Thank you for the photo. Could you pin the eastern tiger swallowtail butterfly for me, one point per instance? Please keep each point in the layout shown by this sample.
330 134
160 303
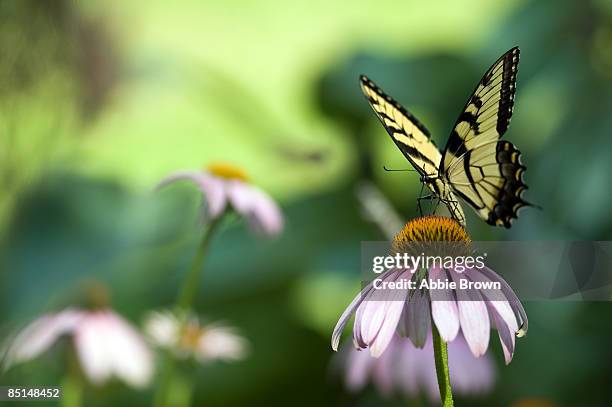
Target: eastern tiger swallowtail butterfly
476 164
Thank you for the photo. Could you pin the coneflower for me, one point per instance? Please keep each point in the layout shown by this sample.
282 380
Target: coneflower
226 186
379 315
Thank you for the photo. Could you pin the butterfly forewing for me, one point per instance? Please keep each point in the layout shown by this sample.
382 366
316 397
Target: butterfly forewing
413 139
486 115
410 135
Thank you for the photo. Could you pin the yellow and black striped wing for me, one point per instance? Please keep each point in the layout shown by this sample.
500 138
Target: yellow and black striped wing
482 169
410 135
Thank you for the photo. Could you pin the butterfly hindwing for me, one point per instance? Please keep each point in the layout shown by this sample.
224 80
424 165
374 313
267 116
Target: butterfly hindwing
479 167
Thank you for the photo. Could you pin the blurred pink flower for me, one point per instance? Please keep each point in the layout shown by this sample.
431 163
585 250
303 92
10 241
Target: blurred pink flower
223 185
202 342
405 369
105 343
380 313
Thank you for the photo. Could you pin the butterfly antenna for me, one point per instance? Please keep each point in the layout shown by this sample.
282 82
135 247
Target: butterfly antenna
402 170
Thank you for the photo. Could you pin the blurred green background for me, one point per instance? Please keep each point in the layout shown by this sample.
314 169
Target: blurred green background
100 100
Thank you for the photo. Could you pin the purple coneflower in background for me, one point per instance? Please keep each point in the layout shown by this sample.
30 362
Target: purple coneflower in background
224 186
106 345
379 314
202 342
407 370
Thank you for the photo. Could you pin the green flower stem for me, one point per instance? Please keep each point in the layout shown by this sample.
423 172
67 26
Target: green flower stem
72 391
72 383
190 285
184 303
441 359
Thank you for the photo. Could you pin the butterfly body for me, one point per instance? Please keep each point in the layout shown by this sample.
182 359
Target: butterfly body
475 165
444 194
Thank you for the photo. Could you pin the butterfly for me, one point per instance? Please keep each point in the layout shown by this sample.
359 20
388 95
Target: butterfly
476 165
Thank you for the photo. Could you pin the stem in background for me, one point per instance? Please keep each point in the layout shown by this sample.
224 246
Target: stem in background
442 371
72 383
190 285
72 391
184 303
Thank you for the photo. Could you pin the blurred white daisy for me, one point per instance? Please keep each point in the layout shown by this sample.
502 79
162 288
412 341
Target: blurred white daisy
106 345
222 186
195 340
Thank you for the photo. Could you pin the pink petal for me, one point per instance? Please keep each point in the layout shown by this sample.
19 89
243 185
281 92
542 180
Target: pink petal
108 346
378 315
383 369
427 374
358 368
411 371
358 341
348 312
495 300
132 360
515 303
346 315
444 310
212 187
93 349
374 297
409 366
240 195
469 375
473 316
266 213
256 206
416 318
371 315
214 193
387 328
506 334
39 335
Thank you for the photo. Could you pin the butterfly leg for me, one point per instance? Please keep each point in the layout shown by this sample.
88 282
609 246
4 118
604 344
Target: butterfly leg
419 201
421 198
453 206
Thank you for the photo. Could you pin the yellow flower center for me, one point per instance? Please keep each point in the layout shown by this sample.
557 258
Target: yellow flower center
96 294
227 171
190 336
417 235
432 229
